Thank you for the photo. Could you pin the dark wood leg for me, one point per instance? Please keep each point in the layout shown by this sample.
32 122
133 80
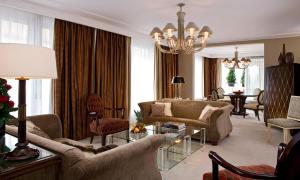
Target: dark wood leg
214 143
258 115
103 140
244 112
127 136
92 138
215 172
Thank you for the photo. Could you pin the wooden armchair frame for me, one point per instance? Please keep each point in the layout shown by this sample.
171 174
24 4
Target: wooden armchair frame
287 163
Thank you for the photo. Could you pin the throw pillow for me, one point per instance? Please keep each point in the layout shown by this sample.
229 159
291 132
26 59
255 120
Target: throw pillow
206 112
32 128
158 110
168 111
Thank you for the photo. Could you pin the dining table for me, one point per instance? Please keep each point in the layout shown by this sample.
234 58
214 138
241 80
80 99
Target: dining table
238 100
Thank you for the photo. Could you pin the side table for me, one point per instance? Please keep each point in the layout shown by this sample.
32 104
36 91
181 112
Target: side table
45 167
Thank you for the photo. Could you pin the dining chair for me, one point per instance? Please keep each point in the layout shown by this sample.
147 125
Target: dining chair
100 125
256 106
287 167
256 92
221 95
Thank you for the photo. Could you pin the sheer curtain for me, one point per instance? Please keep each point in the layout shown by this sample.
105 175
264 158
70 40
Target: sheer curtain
254 75
198 77
27 28
142 73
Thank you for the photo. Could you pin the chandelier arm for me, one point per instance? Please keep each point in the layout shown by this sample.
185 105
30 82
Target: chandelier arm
201 48
163 50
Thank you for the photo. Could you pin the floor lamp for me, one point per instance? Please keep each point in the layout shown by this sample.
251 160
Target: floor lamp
24 62
178 80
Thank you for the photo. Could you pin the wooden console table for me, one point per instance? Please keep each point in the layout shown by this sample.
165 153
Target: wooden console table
45 167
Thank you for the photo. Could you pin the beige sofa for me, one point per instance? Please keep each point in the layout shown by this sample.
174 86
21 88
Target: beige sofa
218 126
132 161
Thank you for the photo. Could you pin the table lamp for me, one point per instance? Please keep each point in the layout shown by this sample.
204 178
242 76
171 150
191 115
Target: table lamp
24 62
178 80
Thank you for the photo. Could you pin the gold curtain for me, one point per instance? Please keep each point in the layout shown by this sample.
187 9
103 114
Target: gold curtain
211 75
74 48
166 66
113 70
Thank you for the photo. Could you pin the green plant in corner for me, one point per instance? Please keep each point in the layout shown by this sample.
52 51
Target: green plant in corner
6 105
231 79
243 78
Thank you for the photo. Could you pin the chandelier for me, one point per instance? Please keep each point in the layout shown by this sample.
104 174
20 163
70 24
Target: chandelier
236 63
181 43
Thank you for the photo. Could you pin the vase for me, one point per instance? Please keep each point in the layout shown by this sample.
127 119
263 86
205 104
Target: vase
2 130
289 58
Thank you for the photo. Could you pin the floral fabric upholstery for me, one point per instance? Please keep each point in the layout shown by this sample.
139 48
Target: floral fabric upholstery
227 175
109 126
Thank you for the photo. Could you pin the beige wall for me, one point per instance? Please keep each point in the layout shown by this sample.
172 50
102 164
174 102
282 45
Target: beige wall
272 49
186 69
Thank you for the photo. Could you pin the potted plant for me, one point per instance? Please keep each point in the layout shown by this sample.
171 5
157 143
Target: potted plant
231 79
140 126
6 105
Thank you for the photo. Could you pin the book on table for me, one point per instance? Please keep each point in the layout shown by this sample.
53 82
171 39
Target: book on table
173 127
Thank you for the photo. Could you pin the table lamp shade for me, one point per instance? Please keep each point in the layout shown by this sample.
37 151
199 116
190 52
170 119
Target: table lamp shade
177 80
28 61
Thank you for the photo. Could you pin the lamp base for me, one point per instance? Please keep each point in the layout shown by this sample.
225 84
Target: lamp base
22 153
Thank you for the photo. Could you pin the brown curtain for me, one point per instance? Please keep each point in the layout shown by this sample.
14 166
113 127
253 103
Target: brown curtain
113 70
166 66
74 48
211 75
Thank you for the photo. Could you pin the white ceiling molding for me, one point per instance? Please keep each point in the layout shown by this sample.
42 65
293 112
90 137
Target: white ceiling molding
57 10
231 21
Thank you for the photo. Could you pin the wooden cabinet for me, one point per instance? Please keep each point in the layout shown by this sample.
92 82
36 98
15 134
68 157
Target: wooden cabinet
45 167
280 83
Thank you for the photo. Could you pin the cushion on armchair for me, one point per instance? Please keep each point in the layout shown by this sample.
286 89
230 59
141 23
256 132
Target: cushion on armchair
227 175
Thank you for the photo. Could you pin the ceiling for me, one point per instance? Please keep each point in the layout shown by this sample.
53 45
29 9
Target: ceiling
244 50
231 20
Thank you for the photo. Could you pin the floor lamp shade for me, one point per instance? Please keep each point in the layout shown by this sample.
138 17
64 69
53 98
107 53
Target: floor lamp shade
24 62
27 61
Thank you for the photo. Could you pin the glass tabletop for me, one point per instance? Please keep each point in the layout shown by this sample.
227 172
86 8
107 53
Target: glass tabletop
178 144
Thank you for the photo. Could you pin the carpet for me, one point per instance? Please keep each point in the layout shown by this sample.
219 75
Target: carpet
247 145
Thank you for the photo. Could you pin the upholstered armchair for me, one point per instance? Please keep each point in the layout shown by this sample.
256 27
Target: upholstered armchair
100 125
287 168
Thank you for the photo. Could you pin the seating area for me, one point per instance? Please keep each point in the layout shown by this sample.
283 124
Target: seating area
149 90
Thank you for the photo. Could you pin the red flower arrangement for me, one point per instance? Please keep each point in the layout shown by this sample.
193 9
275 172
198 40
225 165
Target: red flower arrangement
6 105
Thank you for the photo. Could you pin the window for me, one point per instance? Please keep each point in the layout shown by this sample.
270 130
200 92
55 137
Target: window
142 73
254 77
199 77
27 28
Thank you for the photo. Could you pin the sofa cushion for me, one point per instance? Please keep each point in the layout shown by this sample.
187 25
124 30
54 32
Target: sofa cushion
187 109
167 110
32 128
157 110
206 113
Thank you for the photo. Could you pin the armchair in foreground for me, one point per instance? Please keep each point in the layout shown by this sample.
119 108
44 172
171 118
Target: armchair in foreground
287 168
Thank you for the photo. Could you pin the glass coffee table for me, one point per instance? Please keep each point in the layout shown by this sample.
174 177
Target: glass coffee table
177 146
